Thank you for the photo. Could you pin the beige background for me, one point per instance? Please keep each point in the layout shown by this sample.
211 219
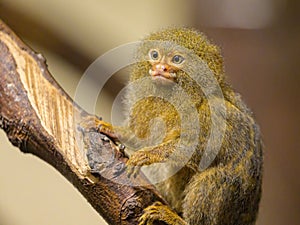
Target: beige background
260 42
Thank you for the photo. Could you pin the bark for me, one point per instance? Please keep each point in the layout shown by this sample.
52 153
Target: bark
40 118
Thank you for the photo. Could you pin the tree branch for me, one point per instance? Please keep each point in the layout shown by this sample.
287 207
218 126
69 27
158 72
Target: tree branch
38 117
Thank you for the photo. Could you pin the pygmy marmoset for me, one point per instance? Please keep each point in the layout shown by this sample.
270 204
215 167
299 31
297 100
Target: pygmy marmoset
228 190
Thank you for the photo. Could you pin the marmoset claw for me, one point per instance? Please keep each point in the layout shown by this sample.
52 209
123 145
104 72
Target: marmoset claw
160 212
92 123
137 160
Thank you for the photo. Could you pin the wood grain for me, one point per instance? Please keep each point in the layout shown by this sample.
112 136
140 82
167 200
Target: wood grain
40 118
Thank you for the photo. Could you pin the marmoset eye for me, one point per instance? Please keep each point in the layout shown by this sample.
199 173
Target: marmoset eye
154 54
178 59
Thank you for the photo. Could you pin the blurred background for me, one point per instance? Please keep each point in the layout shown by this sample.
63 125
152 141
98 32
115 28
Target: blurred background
260 43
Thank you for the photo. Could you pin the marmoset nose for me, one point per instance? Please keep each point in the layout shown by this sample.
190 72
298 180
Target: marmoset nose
163 67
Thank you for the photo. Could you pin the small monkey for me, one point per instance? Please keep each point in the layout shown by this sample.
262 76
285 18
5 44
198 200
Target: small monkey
228 190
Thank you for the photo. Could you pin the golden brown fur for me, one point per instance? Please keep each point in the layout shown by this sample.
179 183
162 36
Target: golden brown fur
229 190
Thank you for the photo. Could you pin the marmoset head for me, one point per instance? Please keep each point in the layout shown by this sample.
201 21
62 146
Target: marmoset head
165 54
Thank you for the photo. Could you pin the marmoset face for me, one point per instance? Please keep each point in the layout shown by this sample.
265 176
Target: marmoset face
165 65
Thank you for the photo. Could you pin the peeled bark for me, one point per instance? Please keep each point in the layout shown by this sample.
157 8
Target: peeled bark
38 117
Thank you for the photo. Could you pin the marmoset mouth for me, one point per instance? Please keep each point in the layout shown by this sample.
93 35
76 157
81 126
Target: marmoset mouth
162 75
